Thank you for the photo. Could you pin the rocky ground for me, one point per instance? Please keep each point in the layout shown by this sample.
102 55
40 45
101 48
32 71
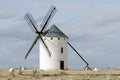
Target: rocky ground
71 74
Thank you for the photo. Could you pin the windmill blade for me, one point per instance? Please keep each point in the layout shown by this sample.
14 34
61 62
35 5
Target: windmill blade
45 46
48 17
78 53
33 44
31 22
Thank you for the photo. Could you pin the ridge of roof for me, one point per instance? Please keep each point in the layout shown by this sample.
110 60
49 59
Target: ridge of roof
54 31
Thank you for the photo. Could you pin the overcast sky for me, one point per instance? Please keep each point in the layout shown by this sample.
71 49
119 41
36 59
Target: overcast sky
93 28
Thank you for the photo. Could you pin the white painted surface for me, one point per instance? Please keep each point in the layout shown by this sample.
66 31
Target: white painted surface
95 69
54 46
11 69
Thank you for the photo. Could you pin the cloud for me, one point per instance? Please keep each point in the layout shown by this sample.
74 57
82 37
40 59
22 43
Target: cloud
96 34
92 28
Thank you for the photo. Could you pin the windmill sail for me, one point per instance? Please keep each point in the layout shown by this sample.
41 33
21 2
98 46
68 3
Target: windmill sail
47 49
33 44
48 17
31 22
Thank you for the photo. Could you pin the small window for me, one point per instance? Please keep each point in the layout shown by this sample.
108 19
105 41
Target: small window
58 38
51 38
61 49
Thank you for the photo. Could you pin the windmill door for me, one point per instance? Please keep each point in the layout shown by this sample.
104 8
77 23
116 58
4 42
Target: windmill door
61 64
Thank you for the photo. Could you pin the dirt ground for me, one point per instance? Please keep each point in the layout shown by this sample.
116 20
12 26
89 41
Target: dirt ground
71 74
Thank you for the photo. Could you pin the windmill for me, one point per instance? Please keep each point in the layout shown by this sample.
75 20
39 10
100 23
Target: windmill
53 43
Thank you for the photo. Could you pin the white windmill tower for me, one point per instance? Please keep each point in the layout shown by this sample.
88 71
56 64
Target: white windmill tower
53 43
56 42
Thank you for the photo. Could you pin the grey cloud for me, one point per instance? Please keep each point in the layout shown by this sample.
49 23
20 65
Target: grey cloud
92 29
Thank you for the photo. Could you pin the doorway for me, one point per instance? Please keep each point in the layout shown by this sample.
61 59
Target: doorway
62 65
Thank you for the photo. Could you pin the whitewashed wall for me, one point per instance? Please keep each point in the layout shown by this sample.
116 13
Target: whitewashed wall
54 46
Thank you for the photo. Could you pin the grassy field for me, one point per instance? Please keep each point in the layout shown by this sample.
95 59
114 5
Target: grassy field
71 74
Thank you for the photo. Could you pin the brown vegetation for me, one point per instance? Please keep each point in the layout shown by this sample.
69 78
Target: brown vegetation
71 74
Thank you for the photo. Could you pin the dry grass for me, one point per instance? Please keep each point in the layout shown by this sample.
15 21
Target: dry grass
71 74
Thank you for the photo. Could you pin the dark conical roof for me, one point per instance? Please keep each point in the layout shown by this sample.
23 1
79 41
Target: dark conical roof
54 32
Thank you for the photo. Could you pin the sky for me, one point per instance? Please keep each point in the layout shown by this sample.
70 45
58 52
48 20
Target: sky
93 28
